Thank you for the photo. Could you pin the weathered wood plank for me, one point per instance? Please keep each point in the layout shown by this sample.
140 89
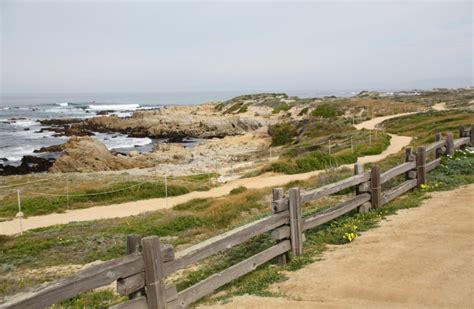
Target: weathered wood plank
460 142
226 240
409 156
279 205
278 196
439 150
365 208
134 244
462 131
421 166
86 280
154 273
375 186
207 286
391 194
432 164
411 175
296 222
129 285
280 233
358 169
449 144
334 212
334 187
436 145
471 136
397 170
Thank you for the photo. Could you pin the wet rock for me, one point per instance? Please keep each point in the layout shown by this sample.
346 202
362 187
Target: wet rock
105 112
53 148
60 122
29 164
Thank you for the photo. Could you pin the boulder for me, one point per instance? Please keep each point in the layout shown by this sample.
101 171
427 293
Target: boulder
87 154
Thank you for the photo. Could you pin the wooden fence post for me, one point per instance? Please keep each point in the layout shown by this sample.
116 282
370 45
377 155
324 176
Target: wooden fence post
438 151
463 133
449 144
471 134
363 187
409 157
278 196
154 273
134 245
420 166
375 187
296 222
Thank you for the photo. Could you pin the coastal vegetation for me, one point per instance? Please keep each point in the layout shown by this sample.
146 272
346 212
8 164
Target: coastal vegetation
82 192
197 220
312 134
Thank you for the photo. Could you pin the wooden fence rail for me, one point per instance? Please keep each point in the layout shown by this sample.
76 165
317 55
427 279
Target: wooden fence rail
141 274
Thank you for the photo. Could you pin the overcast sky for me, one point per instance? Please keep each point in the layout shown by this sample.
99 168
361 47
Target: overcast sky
71 46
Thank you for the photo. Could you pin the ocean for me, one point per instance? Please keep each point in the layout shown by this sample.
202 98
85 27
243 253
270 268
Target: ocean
20 115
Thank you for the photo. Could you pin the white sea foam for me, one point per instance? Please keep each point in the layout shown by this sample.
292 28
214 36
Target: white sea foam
122 141
63 104
24 123
115 107
16 153
122 114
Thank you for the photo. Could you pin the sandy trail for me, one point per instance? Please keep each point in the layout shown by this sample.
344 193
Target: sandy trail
439 107
137 207
419 258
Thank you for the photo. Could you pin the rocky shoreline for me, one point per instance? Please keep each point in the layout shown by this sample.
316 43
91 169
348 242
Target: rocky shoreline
226 137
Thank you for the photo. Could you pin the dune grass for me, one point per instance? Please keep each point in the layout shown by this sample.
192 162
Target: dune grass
51 197
319 160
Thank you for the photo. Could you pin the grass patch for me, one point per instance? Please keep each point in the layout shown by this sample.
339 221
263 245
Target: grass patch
424 126
238 190
318 160
33 203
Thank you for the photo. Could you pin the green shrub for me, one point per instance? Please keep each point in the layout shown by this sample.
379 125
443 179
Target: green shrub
311 162
238 190
282 133
243 109
304 111
282 107
326 111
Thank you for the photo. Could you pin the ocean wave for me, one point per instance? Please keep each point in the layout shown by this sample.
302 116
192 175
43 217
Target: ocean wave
24 123
122 141
63 104
16 153
115 107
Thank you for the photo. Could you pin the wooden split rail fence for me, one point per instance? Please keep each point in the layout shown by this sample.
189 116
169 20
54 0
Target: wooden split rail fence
141 274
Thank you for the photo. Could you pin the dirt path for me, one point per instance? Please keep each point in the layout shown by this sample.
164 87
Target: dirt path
439 107
134 208
419 258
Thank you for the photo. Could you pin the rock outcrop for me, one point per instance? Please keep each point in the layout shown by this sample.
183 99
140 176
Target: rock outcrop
87 154
177 123
29 164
